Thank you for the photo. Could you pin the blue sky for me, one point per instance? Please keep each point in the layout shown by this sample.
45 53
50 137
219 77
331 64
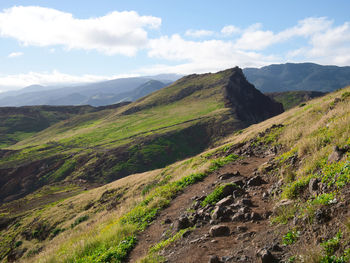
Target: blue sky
55 42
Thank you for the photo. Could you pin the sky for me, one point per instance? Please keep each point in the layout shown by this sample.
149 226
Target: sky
59 42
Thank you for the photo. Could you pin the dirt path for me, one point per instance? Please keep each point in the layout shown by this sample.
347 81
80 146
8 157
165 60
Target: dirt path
198 246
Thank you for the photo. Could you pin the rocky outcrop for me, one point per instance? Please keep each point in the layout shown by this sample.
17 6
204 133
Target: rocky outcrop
249 103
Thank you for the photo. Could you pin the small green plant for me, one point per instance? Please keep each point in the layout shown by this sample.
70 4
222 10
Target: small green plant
332 245
291 237
167 242
153 257
284 214
18 243
149 187
345 95
115 254
293 190
217 194
337 173
292 259
79 220
56 231
220 162
269 138
323 199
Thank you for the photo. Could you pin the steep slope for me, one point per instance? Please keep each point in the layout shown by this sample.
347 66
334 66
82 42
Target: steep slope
170 124
290 99
292 204
19 123
301 76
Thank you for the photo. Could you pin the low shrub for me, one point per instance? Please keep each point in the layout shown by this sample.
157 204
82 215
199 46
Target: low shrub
79 220
217 194
291 237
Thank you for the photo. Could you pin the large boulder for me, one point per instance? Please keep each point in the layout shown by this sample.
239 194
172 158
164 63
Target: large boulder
219 230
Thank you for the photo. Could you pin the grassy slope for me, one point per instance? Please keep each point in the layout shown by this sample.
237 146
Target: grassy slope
17 124
101 146
290 99
328 123
110 128
166 126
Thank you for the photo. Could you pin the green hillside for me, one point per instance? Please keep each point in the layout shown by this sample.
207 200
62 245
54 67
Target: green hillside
171 124
290 99
19 123
102 224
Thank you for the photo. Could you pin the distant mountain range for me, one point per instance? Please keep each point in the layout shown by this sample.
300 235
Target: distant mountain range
95 94
301 76
273 78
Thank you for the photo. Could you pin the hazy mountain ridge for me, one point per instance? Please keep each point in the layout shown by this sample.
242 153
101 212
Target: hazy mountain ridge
115 91
298 76
272 78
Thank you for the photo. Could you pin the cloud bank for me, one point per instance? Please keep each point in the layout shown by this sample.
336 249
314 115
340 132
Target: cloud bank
316 39
115 33
15 54
54 77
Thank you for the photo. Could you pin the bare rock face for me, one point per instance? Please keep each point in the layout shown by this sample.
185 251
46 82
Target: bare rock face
313 186
256 181
228 189
337 154
249 103
229 175
219 230
214 259
225 201
265 256
217 213
182 223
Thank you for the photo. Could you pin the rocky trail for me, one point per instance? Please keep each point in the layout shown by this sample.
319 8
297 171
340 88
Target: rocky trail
235 229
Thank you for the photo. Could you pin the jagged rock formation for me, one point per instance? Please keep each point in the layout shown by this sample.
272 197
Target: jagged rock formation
250 104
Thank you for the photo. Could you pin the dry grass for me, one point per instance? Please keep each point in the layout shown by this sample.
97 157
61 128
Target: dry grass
102 223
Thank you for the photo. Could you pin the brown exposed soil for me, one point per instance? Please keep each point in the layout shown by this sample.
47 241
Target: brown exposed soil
240 246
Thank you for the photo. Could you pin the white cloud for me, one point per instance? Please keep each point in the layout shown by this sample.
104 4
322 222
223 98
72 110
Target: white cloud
115 33
254 38
328 46
199 33
319 41
201 56
15 54
230 30
12 82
